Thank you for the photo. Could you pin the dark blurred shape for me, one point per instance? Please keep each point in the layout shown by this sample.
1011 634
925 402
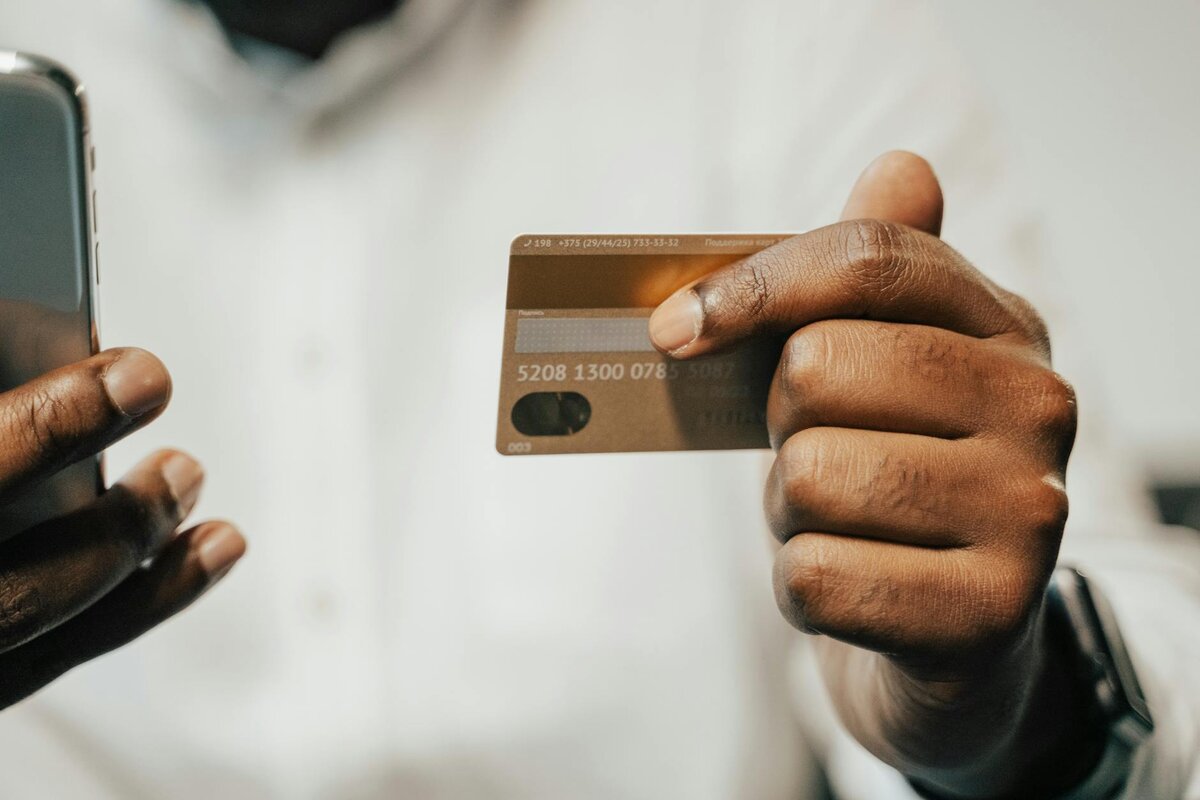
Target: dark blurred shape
551 413
1179 504
307 27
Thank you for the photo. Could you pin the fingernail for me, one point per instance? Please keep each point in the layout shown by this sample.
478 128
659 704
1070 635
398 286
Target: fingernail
184 476
676 323
219 548
137 382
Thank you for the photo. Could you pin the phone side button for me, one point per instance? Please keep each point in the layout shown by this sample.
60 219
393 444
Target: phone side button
96 261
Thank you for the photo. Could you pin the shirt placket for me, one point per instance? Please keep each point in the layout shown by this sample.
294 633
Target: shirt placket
320 492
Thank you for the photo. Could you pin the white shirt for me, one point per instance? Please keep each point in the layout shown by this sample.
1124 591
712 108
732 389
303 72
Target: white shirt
319 257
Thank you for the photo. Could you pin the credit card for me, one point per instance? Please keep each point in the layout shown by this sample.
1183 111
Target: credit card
579 373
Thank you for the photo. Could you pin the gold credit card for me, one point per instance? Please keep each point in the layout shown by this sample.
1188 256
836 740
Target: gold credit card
579 372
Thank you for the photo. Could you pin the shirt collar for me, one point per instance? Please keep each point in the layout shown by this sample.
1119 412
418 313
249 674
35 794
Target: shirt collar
358 62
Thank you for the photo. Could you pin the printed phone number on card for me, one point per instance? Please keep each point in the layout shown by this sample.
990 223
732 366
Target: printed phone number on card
621 243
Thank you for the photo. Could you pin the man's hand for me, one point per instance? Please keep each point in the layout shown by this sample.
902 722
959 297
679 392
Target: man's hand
75 587
918 489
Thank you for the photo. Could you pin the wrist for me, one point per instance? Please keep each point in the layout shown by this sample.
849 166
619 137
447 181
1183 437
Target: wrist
1064 709
1054 742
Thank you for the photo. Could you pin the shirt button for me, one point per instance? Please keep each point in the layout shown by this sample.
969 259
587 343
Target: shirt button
322 606
311 360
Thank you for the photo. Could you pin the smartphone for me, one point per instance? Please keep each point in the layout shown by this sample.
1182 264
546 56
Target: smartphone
48 255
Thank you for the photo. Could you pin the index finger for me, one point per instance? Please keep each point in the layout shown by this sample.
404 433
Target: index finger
864 268
76 411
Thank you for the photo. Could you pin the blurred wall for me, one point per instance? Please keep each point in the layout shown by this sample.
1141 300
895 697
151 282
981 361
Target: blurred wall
1101 103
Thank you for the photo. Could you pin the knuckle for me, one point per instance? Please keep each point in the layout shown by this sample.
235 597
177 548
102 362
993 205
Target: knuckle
749 290
1046 506
139 535
49 415
754 286
872 250
47 419
21 610
802 574
868 241
806 363
804 462
1054 406
127 524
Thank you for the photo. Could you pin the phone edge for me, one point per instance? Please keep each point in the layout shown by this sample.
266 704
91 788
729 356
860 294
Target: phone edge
16 62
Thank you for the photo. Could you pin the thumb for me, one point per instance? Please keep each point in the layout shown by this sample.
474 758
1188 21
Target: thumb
898 187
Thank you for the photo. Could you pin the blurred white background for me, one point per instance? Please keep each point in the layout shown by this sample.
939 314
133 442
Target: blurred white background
1100 100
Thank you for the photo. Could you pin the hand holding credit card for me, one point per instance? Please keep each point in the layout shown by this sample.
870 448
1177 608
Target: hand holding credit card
917 490
580 373
921 441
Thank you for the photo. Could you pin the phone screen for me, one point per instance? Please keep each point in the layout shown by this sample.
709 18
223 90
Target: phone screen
46 311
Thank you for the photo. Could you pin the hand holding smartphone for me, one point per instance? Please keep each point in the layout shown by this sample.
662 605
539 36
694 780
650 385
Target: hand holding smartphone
82 570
